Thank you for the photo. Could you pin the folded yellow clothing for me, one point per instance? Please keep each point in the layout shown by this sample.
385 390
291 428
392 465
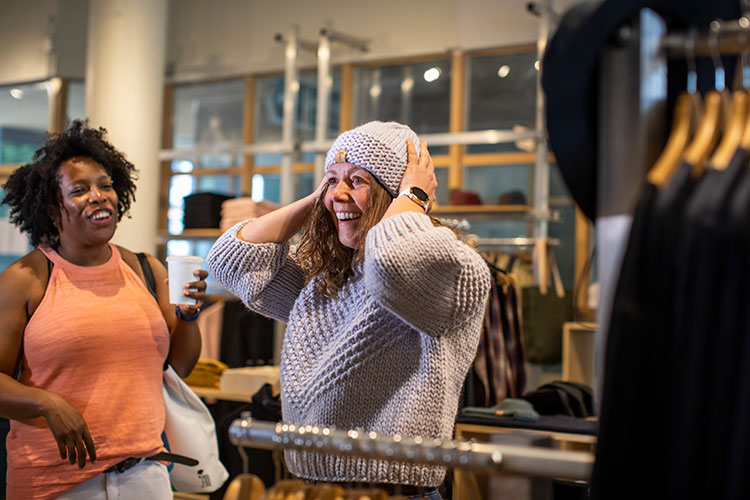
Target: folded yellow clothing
212 363
207 373
203 382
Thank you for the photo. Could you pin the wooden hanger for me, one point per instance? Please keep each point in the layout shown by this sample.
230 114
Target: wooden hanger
733 132
324 492
708 132
245 487
745 139
685 121
541 265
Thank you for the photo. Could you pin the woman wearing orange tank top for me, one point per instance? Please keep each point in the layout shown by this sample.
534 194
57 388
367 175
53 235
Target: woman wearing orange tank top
83 342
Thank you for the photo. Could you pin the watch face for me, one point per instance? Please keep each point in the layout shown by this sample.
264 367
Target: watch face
420 194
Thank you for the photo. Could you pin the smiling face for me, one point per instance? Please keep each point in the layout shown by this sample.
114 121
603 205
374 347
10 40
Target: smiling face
346 199
88 208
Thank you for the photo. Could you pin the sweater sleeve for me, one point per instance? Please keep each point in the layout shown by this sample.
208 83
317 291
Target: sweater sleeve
262 275
424 275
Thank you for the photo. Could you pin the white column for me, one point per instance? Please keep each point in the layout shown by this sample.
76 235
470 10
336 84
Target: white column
125 63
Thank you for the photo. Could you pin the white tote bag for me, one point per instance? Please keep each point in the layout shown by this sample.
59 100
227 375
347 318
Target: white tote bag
191 432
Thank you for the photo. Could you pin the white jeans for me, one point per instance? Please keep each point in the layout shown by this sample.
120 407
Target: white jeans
148 480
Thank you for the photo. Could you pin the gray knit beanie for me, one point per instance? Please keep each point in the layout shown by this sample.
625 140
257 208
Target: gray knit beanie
378 147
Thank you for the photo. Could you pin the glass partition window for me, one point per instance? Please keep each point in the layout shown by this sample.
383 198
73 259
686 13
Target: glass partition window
24 114
209 115
417 94
269 112
76 105
501 95
500 184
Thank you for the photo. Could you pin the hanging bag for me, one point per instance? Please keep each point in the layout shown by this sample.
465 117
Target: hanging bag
189 426
544 311
190 431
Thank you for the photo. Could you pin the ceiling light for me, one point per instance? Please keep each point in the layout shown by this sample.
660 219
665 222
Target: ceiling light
503 71
375 91
16 93
536 65
431 74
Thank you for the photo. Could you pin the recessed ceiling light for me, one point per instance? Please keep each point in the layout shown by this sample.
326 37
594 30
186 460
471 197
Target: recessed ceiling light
432 74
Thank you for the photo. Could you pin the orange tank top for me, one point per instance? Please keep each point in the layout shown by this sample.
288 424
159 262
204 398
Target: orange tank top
98 339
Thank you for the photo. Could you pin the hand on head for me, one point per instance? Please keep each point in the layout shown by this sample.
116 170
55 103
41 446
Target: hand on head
420 171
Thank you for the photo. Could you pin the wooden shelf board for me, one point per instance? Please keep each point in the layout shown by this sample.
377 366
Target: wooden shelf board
187 234
208 392
481 209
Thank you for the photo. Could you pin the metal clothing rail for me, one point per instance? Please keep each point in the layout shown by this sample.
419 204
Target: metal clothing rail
322 145
724 37
484 457
511 242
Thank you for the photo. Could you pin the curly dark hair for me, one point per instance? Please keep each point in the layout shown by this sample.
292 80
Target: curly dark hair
33 190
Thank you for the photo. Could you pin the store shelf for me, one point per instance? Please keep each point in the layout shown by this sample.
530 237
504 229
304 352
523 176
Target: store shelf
481 209
193 234
208 392
459 210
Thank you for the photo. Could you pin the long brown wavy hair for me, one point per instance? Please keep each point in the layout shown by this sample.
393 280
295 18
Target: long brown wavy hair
321 252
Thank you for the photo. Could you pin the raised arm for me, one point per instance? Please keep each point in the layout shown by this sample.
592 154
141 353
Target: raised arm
424 275
421 272
251 259
281 224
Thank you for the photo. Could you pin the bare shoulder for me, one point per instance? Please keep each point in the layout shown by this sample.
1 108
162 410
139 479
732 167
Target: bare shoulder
25 280
131 259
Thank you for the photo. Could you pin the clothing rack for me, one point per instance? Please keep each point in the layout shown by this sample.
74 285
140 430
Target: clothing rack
723 37
483 457
459 224
633 88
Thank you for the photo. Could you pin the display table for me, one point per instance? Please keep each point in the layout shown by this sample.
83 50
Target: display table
565 433
208 392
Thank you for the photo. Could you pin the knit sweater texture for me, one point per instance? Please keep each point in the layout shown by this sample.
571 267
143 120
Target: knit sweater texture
389 354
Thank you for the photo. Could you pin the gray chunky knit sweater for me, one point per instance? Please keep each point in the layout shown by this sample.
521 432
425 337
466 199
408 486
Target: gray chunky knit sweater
389 354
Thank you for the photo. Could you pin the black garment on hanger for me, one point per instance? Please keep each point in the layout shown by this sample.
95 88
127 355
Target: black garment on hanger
737 372
702 253
617 447
570 77
246 337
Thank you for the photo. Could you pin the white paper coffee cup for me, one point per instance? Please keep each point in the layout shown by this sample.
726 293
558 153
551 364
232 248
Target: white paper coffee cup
181 269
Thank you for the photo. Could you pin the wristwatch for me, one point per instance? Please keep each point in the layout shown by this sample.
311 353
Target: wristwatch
418 196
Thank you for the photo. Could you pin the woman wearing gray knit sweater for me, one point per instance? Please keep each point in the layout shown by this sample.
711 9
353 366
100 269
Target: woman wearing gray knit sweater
383 308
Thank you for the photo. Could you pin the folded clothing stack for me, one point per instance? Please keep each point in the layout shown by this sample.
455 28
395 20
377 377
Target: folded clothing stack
203 210
207 373
239 209
248 379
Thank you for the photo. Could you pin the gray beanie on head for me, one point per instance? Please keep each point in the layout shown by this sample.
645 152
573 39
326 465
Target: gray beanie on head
378 147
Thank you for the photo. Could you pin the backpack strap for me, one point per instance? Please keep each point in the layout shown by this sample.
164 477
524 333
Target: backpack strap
148 274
